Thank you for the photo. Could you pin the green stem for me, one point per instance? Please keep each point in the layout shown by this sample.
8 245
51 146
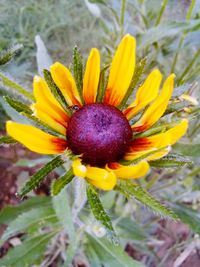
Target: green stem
163 6
123 8
189 66
188 16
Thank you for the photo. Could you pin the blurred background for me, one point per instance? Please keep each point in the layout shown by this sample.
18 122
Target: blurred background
168 37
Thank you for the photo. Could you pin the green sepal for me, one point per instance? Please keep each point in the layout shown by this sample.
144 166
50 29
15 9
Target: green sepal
77 66
171 161
16 87
61 182
56 91
139 70
7 140
17 105
134 190
99 212
7 55
41 125
101 85
37 178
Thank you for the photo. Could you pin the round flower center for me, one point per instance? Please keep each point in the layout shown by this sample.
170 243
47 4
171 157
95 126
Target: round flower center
100 133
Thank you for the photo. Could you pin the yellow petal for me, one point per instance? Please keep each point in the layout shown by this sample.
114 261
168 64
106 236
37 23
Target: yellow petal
145 94
129 172
91 77
121 71
46 101
43 116
157 108
159 154
35 139
101 178
142 146
65 82
78 168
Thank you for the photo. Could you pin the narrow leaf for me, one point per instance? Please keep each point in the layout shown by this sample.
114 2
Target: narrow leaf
6 56
17 105
6 140
77 65
134 190
61 182
192 150
101 85
56 91
136 78
170 162
28 253
99 212
16 87
37 178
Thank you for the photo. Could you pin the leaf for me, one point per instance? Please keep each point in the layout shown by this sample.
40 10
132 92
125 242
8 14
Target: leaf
170 29
28 253
188 216
64 214
109 255
55 90
36 178
170 161
9 213
134 190
101 85
99 212
192 150
130 229
43 59
136 77
16 87
41 216
77 65
6 56
61 182
17 105
7 140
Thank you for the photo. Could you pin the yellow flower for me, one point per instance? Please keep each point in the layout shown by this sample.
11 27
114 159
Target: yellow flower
100 134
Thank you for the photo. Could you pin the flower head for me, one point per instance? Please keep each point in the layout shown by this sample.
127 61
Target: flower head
106 143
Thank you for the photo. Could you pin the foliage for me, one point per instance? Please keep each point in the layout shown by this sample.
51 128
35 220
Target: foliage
57 223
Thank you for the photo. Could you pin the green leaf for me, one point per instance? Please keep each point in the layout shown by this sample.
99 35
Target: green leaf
101 85
28 253
166 30
170 161
36 178
56 91
7 140
64 214
61 182
109 255
9 213
6 56
40 124
192 150
17 105
188 216
29 221
136 78
134 190
99 212
16 87
77 65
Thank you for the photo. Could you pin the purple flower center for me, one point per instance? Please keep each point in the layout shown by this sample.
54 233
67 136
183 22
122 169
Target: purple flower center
100 133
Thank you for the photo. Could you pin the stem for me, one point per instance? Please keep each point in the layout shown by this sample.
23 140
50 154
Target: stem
189 66
123 7
188 16
163 6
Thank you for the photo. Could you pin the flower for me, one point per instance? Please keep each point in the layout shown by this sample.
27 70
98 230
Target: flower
101 135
